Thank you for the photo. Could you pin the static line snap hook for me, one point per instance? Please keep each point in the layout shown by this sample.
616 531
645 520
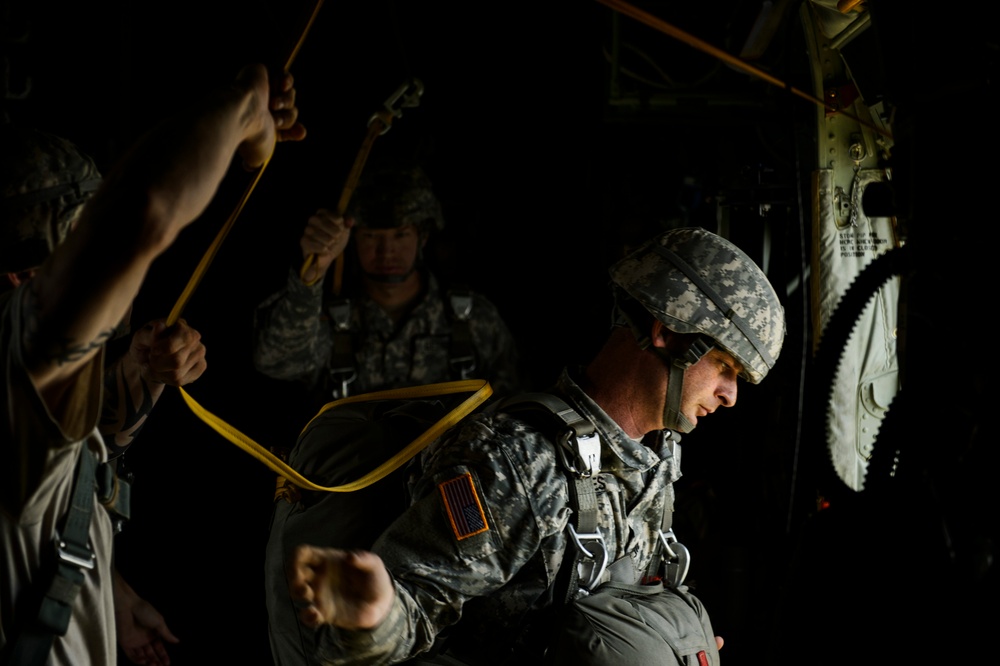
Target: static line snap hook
406 96
676 557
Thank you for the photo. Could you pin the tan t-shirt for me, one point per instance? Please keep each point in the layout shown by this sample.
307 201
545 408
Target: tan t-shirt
38 455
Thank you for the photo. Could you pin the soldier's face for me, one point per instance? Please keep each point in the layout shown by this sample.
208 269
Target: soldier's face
388 252
709 384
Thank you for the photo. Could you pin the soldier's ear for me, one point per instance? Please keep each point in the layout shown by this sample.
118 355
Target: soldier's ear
660 334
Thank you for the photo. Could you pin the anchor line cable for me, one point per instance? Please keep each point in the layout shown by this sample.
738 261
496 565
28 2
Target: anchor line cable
703 46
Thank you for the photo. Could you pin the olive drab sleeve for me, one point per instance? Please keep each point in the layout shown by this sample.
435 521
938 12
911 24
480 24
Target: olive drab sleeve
291 339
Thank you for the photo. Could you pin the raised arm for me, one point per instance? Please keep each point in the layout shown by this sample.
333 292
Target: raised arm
159 187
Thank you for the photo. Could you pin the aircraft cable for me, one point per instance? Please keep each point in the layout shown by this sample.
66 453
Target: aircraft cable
672 31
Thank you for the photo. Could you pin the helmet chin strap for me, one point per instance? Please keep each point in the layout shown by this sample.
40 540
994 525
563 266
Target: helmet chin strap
672 416
673 419
396 279
390 279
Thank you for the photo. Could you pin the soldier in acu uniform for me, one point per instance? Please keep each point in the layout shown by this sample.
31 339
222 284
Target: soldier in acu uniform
397 326
466 574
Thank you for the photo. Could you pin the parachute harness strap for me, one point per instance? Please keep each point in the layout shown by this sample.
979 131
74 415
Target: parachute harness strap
730 314
462 350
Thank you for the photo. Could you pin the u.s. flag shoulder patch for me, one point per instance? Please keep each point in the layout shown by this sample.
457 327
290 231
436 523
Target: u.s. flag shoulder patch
461 502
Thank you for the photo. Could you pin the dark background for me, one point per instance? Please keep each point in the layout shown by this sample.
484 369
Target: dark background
549 165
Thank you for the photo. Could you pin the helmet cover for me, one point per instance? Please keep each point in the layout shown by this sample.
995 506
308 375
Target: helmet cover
44 182
393 198
694 281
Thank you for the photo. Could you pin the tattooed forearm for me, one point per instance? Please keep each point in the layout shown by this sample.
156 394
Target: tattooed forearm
66 351
128 400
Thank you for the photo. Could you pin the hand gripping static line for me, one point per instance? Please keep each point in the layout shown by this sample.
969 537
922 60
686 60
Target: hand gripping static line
380 122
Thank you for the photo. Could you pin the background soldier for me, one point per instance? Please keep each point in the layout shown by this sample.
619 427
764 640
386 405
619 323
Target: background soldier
399 326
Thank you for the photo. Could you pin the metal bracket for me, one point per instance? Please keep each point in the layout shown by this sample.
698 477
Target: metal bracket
406 96
84 561
676 557
593 558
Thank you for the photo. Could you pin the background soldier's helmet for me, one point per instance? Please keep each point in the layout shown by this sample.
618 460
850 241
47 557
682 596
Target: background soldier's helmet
695 281
393 197
44 182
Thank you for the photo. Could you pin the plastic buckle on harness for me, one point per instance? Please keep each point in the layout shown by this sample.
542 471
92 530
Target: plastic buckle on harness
676 558
340 314
464 366
581 454
461 304
589 449
343 377
594 560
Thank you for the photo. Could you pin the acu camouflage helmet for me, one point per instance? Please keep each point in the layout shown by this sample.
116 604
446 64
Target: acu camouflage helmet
44 182
394 197
695 281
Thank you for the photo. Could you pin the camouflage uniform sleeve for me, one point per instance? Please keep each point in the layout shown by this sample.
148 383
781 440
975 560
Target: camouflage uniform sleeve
499 359
339 647
487 497
292 341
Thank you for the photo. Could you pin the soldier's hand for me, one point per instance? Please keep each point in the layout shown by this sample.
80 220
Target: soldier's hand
271 116
174 356
325 237
284 111
142 632
347 589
